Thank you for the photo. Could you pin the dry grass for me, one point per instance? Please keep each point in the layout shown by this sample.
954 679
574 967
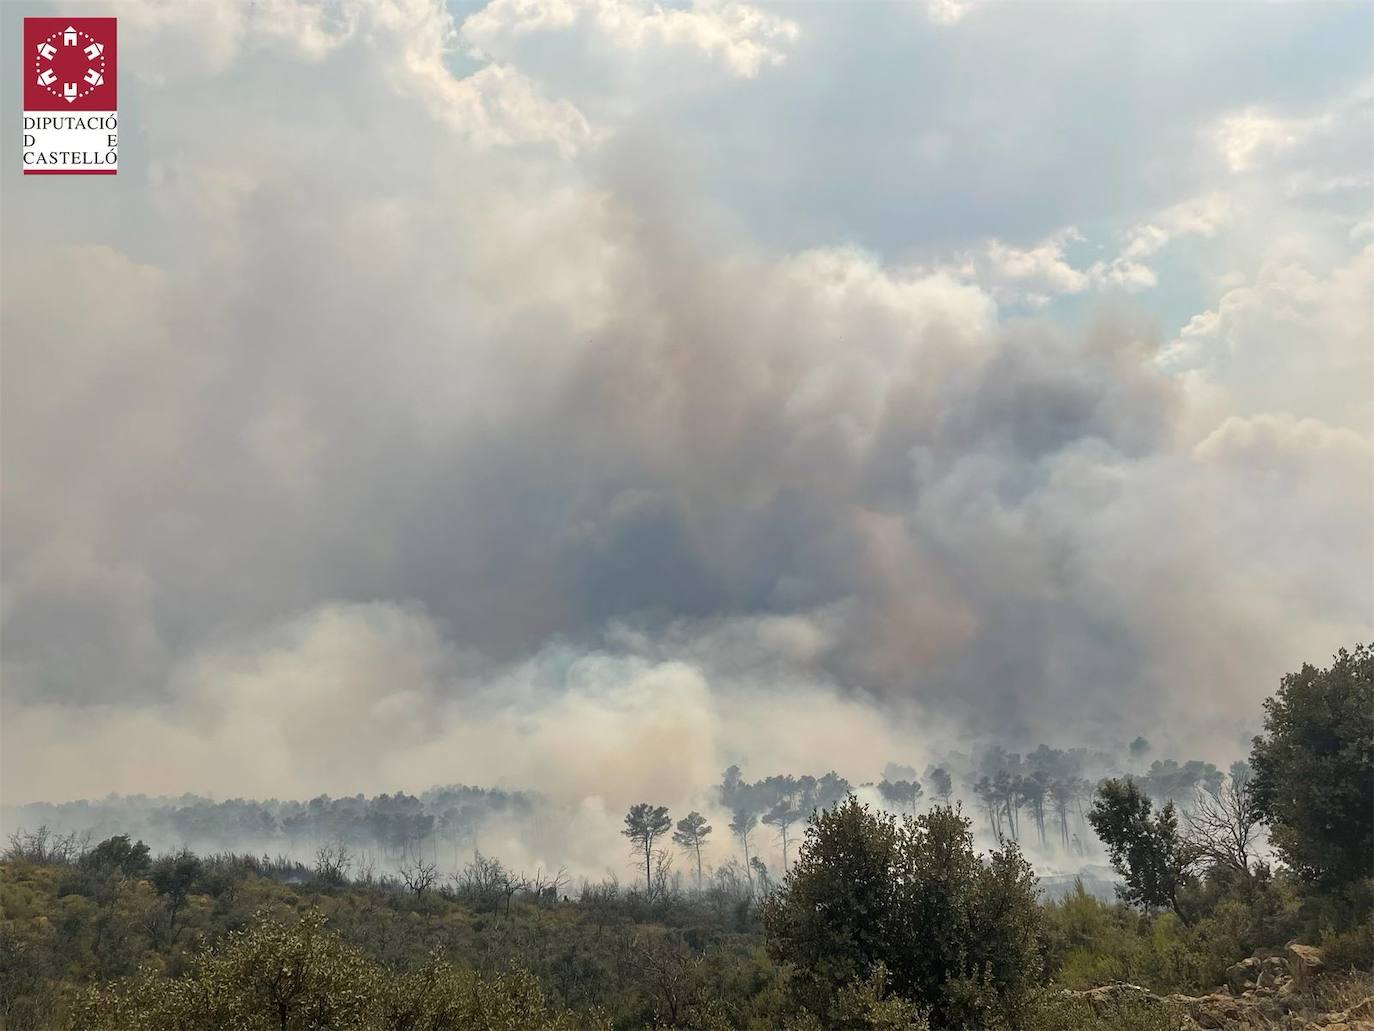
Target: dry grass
1342 991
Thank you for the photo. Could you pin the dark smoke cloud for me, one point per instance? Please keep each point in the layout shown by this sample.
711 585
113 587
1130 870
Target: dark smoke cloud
513 467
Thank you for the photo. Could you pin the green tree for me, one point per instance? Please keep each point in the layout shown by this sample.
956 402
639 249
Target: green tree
956 934
1314 768
692 832
644 825
118 854
742 823
900 795
173 876
1139 748
1146 849
785 812
942 784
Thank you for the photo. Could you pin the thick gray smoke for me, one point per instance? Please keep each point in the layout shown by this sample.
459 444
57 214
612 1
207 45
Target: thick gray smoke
423 431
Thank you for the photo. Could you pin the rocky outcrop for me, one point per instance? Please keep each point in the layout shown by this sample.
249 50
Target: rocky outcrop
1304 964
1241 974
1271 991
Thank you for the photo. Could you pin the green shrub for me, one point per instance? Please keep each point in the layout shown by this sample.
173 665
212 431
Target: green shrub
1349 950
273 977
958 934
869 1005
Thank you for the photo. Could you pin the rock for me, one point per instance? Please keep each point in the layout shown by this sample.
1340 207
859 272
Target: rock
1257 1008
1305 964
1215 1011
1109 998
1240 975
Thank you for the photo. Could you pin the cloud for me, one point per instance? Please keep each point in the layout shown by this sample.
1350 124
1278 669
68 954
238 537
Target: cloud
741 38
1317 151
162 42
1282 443
411 40
1201 216
497 104
497 448
1033 276
947 12
901 501
1293 339
1250 136
1042 269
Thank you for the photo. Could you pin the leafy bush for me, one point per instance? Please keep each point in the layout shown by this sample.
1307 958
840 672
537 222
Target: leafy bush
958 935
273 977
869 1006
1349 950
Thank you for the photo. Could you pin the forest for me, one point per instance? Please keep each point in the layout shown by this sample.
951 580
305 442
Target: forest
883 914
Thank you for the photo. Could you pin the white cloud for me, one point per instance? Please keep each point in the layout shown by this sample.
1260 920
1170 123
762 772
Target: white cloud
311 30
1202 216
1199 217
947 12
496 105
1025 275
1283 441
1296 338
410 41
1032 276
741 38
1124 273
1249 137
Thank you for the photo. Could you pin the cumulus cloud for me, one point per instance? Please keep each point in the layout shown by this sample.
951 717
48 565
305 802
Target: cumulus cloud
411 42
1295 338
1198 217
1032 274
741 38
1036 274
1321 150
1250 136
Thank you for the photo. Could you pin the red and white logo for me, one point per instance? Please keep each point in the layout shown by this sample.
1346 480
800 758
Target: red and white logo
71 116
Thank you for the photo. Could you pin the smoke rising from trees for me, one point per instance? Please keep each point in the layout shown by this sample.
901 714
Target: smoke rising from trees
508 451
